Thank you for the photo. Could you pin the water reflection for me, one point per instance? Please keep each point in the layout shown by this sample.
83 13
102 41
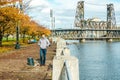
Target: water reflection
98 60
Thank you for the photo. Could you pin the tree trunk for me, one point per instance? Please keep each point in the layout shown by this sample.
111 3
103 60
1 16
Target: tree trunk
1 40
28 36
24 37
7 37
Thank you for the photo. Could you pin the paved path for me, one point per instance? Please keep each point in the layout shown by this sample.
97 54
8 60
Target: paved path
13 65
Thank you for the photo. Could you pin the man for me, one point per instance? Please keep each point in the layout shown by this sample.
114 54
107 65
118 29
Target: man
43 43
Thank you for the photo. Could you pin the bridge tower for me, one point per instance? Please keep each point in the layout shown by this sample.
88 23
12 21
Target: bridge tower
79 17
111 21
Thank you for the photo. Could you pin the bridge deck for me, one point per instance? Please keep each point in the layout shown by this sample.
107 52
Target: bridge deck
77 34
90 38
86 30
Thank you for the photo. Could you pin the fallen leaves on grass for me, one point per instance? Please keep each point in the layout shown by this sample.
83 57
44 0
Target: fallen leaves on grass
5 49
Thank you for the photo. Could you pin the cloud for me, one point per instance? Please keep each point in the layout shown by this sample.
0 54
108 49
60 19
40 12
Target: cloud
45 10
39 2
64 10
41 5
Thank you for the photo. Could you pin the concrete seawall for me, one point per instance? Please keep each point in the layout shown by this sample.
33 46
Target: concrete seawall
65 66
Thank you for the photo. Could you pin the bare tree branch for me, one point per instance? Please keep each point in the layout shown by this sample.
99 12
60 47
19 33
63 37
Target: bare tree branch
26 5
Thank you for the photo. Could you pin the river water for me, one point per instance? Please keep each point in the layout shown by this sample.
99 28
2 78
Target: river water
98 60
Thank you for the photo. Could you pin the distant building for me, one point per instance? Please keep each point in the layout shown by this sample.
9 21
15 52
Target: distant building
94 19
119 27
14 3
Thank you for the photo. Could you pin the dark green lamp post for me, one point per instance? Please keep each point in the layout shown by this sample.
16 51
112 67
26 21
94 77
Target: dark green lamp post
17 45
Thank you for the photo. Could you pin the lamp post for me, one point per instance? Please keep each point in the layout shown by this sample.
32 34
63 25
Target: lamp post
17 45
54 26
52 22
51 17
20 6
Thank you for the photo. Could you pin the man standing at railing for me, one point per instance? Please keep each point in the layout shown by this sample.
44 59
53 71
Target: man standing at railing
43 43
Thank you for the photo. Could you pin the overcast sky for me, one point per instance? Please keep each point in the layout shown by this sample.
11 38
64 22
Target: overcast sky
64 11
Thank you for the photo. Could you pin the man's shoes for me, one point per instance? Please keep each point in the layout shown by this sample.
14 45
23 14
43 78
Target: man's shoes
43 64
40 64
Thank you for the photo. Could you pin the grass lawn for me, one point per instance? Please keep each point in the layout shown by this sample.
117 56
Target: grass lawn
10 45
7 46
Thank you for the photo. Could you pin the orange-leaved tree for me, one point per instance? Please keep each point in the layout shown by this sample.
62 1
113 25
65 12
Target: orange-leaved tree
38 30
42 30
25 26
33 29
9 16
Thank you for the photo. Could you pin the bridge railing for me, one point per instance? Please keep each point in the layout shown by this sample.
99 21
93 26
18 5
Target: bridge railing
65 67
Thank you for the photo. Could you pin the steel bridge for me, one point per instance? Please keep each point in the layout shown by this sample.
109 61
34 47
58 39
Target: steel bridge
90 29
91 34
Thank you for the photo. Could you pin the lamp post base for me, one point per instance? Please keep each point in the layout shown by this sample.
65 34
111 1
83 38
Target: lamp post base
17 46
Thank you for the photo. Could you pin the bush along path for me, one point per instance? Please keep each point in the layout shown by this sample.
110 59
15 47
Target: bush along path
13 64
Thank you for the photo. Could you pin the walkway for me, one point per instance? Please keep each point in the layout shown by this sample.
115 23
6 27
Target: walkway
13 65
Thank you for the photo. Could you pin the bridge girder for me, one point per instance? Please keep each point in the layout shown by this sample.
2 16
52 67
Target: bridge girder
86 33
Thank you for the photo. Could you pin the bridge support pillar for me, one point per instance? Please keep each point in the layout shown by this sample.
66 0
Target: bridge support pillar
109 40
82 40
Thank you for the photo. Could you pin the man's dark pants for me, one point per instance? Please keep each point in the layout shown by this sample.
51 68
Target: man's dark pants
43 56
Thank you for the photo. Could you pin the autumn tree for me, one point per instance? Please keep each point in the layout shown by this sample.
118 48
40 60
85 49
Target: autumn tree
10 31
25 26
8 18
11 15
33 29
42 30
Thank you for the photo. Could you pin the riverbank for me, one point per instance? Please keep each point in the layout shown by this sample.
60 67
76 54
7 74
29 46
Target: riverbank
13 64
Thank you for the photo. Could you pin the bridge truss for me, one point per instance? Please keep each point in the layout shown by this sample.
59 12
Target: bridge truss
89 29
78 34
